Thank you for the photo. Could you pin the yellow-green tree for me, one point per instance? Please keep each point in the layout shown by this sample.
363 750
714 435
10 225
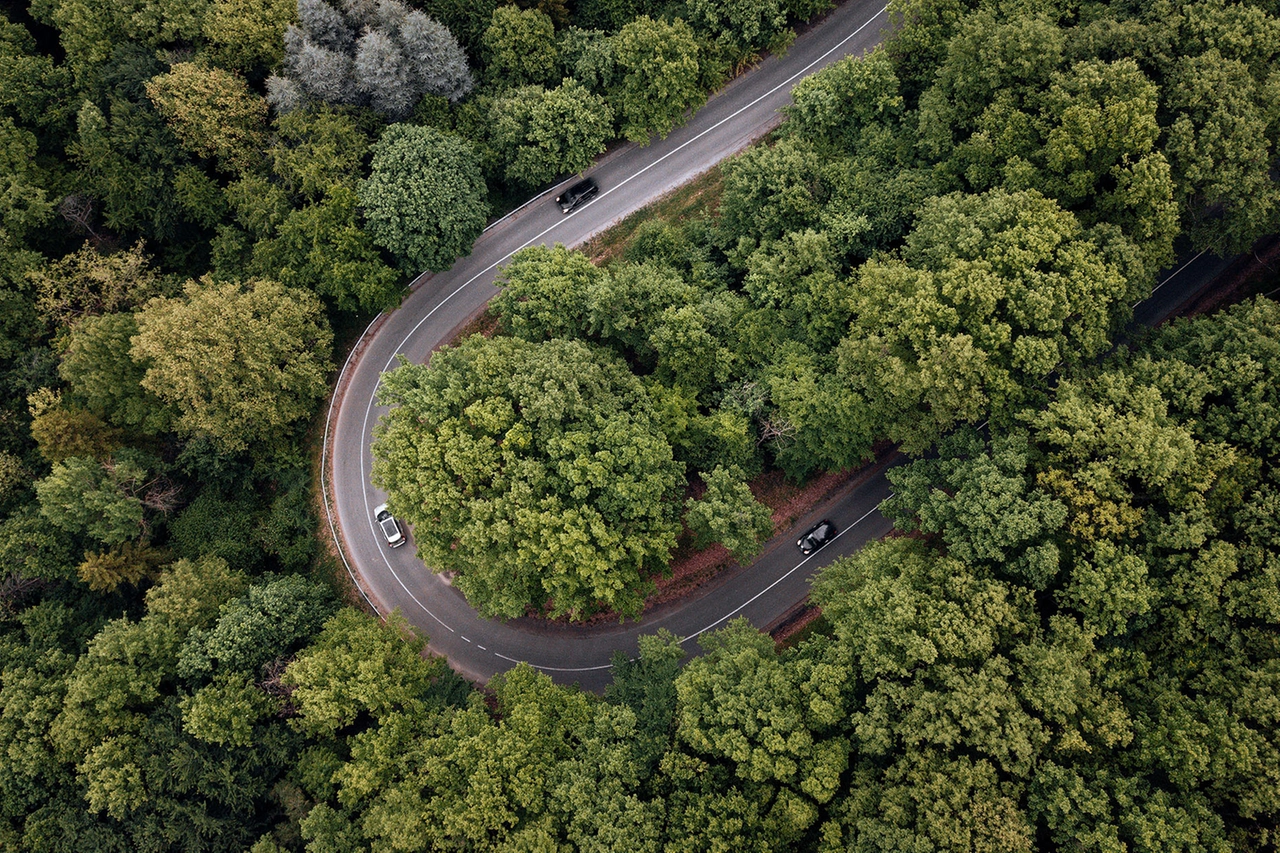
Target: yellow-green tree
241 363
212 112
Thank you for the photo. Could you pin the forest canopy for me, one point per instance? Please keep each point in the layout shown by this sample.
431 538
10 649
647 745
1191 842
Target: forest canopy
1071 642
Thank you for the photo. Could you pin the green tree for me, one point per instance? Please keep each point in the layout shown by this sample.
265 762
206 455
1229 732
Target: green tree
286 529
189 592
777 723
627 304
25 202
245 35
226 711
545 133
936 802
743 26
519 47
131 563
535 471
545 293
902 606
35 88
32 691
128 160
271 620
307 220
1221 143
770 191
34 548
647 686
1214 372
220 527
241 363
924 28
109 693
836 104
99 368
357 666
89 28
729 514
86 497
992 63
15 482
983 505
1001 288
659 76
424 200
807 421
62 429
322 248
314 150
416 780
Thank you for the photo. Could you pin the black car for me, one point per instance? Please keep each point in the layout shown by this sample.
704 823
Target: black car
577 194
817 536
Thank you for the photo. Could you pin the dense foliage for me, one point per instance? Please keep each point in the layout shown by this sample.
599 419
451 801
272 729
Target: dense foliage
1076 647
535 471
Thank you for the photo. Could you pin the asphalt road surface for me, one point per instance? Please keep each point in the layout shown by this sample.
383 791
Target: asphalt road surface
630 177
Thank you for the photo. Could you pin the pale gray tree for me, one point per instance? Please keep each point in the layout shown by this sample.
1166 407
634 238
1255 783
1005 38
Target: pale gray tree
383 74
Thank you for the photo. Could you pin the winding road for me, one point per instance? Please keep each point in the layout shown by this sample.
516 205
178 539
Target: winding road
438 305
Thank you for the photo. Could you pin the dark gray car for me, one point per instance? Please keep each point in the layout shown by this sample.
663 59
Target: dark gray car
817 536
577 194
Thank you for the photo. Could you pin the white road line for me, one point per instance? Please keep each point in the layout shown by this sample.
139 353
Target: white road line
1170 277
794 569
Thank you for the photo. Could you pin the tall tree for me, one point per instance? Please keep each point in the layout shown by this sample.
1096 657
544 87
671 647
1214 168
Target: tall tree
424 199
770 191
245 35
87 283
213 113
322 248
101 500
271 620
1221 144
435 57
544 133
546 292
357 666
399 55
729 514
1004 287
128 159
660 77
240 363
534 471
519 47
743 27
102 374
382 71
779 724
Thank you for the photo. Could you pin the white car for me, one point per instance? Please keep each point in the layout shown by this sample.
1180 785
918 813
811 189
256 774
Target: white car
390 527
